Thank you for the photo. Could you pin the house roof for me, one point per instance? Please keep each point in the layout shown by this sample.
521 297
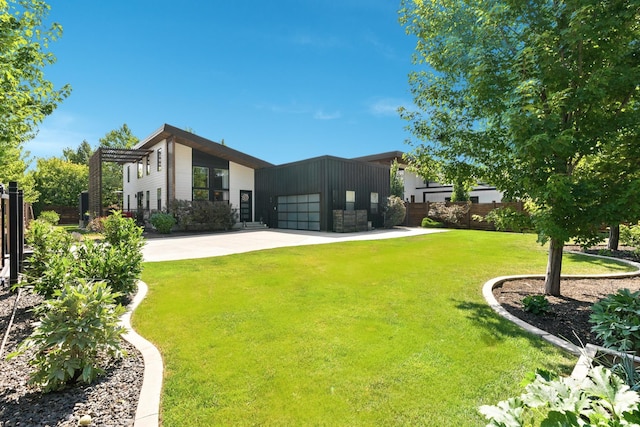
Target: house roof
202 144
382 158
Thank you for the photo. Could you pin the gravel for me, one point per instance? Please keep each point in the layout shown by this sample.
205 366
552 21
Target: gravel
111 401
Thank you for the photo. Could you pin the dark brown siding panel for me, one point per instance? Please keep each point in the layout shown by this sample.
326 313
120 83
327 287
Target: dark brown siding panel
331 177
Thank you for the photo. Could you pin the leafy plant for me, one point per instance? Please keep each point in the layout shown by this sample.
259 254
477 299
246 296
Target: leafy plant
96 225
536 304
630 235
616 320
120 230
430 223
163 222
448 213
51 217
203 215
394 212
600 399
509 219
77 331
47 242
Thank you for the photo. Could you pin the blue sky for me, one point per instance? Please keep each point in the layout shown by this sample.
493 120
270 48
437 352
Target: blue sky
282 80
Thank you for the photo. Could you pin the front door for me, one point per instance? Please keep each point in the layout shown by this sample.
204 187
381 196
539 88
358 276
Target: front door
246 206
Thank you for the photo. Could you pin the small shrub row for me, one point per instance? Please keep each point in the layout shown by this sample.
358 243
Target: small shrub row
394 212
201 215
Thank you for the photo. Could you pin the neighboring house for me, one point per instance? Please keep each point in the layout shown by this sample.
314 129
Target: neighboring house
417 190
301 195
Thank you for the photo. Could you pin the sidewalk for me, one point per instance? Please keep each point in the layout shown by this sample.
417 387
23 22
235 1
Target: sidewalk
233 242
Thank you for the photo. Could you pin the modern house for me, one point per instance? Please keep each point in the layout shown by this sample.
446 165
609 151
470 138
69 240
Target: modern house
180 165
417 190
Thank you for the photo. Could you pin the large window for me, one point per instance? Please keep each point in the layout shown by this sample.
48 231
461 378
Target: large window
374 203
159 159
200 183
139 169
351 200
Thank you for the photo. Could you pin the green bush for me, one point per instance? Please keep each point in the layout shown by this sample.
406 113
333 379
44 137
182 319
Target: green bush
509 219
430 223
77 331
394 212
630 235
162 222
48 243
119 230
203 215
601 399
536 304
616 320
51 217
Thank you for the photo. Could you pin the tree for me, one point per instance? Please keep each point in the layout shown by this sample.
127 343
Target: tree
80 155
524 92
59 182
112 172
397 183
26 97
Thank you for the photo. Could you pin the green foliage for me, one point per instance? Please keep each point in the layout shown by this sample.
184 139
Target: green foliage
51 217
536 304
80 155
122 231
394 212
27 97
122 137
162 222
508 218
451 213
203 215
77 330
430 223
601 399
630 235
397 183
59 182
529 95
616 320
96 224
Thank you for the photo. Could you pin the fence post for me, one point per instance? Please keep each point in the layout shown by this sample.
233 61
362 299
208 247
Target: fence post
20 230
13 233
3 212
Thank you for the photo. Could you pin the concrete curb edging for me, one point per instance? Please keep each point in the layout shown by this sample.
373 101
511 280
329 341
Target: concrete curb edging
487 293
148 411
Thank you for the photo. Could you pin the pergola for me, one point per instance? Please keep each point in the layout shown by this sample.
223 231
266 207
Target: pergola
111 155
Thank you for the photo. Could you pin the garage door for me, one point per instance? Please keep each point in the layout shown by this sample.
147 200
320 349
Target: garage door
299 212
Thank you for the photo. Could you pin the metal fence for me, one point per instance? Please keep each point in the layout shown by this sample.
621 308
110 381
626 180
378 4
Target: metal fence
12 236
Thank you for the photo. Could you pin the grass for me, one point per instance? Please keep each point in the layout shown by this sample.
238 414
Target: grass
388 332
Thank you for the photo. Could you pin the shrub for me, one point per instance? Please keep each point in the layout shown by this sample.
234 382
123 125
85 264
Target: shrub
430 223
203 215
616 320
51 217
119 230
630 235
77 331
509 219
394 212
96 224
448 213
162 222
536 304
600 399
48 244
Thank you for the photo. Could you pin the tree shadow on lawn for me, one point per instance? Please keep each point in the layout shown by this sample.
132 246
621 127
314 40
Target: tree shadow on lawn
585 258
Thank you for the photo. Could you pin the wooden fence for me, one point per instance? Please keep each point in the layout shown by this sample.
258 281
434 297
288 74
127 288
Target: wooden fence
417 211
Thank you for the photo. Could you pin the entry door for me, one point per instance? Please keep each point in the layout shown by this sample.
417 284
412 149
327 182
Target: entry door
246 206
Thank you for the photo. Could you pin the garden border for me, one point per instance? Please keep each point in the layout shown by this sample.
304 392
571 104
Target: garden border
489 286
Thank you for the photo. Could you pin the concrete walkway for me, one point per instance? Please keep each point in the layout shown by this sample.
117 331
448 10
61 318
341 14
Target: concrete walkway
234 242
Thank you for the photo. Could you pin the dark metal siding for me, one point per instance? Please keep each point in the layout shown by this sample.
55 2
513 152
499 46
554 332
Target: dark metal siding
329 176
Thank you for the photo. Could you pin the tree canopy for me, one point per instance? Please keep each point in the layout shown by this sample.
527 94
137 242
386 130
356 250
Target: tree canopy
122 137
59 182
534 96
26 97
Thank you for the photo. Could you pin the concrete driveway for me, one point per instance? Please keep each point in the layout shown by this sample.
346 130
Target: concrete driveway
218 244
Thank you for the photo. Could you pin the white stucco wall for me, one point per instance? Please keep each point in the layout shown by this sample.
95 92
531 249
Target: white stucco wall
240 178
184 174
435 192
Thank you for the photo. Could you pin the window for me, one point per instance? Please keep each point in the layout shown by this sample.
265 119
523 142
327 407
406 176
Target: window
128 202
129 173
159 198
148 199
374 203
200 183
148 168
221 179
159 159
139 169
351 200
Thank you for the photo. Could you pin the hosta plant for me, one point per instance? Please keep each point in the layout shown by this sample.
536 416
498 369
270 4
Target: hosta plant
77 332
536 304
616 320
600 399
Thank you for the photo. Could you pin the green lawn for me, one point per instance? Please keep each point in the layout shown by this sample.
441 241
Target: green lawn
388 332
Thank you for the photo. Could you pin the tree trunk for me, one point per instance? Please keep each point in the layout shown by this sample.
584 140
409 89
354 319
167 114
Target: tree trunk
614 237
554 267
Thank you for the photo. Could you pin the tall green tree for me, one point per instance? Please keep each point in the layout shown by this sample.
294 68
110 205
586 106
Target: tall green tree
26 97
396 181
59 182
80 155
122 137
526 91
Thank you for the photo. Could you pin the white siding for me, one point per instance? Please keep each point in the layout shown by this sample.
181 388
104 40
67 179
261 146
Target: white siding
148 182
184 174
240 178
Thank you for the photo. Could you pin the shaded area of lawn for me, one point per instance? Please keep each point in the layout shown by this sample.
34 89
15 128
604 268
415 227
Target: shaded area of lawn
389 332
